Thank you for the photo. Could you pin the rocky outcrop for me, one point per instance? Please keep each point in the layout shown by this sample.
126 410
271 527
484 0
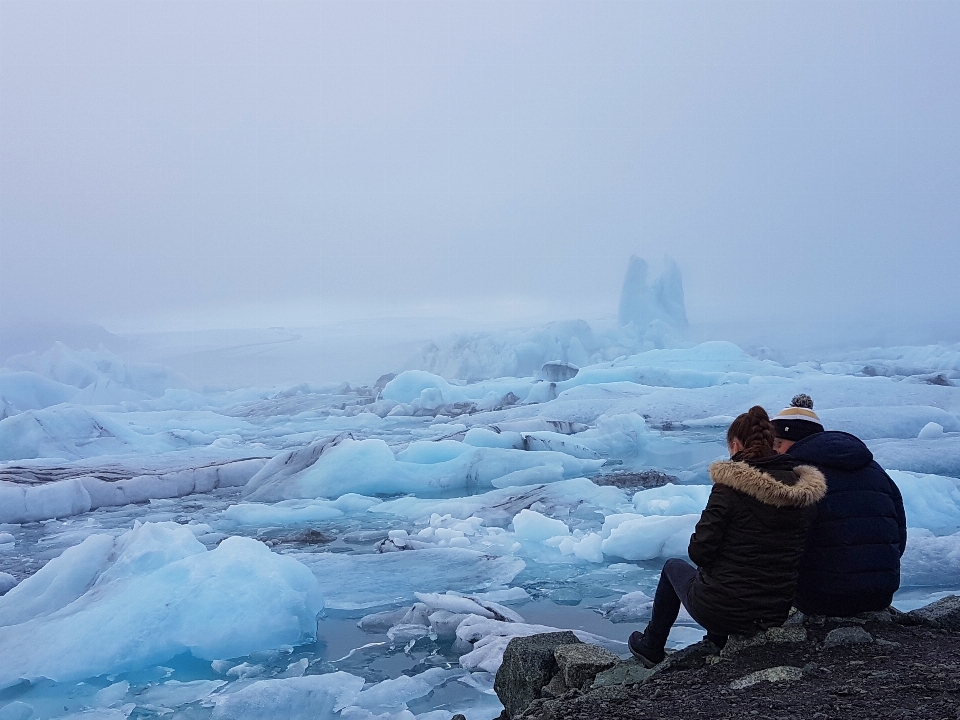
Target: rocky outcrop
643 480
529 664
944 614
626 672
579 664
780 673
773 636
812 665
542 668
847 636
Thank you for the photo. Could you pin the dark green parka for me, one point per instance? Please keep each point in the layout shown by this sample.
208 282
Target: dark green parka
749 541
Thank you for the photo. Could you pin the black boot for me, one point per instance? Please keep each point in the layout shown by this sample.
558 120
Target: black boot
644 651
719 640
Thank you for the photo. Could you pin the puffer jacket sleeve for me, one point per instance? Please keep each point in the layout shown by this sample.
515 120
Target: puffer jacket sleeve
901 514
707 538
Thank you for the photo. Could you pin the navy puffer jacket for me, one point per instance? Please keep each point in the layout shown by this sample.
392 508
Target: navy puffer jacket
859 532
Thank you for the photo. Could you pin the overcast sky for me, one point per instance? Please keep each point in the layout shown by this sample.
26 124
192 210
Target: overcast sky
280 163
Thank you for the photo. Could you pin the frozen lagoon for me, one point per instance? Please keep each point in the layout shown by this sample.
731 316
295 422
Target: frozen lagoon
169 549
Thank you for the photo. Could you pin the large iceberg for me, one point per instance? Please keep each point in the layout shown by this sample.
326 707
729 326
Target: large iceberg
370 467
85 368
651 315
643 303
111 605
21 391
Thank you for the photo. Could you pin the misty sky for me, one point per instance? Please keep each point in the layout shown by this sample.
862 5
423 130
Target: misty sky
168 164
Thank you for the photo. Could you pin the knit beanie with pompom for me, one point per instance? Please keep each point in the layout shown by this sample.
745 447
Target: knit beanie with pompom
797 421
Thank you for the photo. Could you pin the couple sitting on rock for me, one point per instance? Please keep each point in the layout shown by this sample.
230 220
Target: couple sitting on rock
797 516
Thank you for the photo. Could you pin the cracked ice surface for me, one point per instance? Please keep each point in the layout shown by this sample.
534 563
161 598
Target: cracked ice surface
361 552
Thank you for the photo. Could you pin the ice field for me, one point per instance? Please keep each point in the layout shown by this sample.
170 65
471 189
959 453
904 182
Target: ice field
368 551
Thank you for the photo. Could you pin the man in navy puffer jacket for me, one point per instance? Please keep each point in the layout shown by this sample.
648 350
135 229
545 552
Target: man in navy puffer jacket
852 561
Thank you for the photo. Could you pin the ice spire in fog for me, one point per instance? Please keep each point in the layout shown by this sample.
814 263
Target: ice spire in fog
642 303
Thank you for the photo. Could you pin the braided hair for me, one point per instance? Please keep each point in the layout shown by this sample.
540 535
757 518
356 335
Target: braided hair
755 432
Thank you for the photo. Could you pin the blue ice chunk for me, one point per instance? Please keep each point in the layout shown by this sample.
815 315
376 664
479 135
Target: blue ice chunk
410 386
672 499
311 697
930 501
156 594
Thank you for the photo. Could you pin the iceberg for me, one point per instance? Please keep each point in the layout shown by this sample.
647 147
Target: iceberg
111 605
397 692
672 499
930 560
83 368
899 421
370 467
642 303
531 525
517 354
639 537
7 583
651 315
172 693
336 694
931 502
21 391
290 513
416 385
312 697
926 456
71 432
21 502
499 507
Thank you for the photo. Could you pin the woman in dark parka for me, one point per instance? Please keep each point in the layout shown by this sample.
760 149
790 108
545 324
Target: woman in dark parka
747 544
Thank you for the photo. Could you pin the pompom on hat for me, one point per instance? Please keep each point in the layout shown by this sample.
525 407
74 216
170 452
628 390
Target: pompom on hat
797 421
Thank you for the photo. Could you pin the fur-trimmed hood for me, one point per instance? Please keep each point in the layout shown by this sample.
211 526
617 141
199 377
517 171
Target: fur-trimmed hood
809 489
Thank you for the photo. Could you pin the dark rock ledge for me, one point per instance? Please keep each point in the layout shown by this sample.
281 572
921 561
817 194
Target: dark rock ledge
877 665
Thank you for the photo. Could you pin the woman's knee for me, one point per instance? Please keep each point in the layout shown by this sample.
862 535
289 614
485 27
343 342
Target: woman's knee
679 571
675 563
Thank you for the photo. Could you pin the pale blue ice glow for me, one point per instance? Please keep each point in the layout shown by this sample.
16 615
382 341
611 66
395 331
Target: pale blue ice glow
351 552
